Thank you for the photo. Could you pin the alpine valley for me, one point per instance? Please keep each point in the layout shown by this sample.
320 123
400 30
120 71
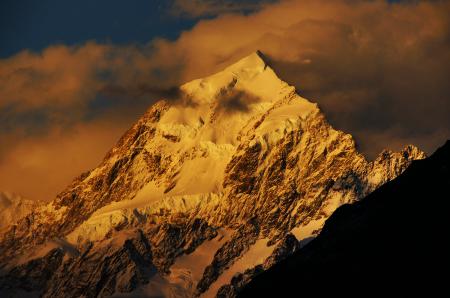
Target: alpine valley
238 172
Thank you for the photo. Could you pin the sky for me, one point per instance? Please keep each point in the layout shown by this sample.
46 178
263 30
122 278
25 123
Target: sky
74 75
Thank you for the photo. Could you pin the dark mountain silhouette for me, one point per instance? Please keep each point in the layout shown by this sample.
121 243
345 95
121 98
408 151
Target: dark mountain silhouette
393 242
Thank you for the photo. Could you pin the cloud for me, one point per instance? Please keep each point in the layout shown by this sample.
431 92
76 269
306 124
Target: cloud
231 101
141 90
379 71
53 77
73 76
38 167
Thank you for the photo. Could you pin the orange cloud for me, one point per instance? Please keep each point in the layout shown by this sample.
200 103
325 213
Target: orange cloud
66 76
38 167
60 75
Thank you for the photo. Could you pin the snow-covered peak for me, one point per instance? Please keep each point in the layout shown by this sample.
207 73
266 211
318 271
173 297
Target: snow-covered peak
250 76
225 105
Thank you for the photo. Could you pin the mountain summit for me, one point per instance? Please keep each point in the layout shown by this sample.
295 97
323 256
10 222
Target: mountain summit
254 60
238 173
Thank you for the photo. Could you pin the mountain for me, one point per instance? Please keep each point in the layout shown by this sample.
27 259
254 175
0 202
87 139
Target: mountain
392 243
232 173
13 207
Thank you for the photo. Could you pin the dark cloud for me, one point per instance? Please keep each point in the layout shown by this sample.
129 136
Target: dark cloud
233 100
141 91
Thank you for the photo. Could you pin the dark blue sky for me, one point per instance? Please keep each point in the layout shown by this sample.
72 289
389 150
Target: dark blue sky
36 24
31 24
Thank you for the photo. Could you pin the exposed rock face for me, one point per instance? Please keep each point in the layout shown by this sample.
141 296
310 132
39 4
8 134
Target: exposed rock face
102 271
245 236
33 275
240 151
284 249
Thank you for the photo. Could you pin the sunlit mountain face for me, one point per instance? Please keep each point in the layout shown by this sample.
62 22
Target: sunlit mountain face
235 172
253 148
